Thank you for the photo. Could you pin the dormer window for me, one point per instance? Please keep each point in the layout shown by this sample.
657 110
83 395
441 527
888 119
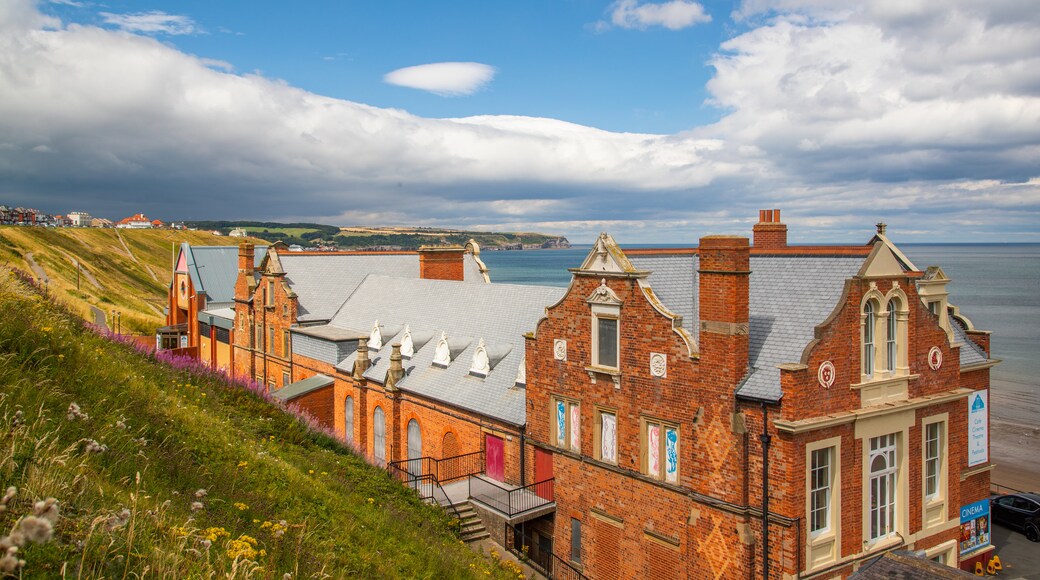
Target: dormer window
407 346
481 364
884 334
375 338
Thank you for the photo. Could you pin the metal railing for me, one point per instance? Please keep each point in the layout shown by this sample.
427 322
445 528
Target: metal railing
547 562
446 469
426 486
998 489
511 502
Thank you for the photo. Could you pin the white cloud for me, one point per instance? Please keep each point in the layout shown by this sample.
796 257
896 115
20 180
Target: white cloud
447 79
673 15
923 121
154 22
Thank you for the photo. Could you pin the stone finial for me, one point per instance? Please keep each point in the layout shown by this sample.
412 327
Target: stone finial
881 228
361 362
396 371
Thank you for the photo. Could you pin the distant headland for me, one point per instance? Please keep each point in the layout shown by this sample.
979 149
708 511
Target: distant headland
326 237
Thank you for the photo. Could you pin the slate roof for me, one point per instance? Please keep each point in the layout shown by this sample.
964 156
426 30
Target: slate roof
971 353
789 296
300 388
323 281
214 269
465 313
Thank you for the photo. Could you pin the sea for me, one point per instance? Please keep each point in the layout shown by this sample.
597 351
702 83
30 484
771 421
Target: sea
996 286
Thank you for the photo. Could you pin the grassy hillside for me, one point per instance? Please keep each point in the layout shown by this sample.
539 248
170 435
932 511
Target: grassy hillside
125 270
171 471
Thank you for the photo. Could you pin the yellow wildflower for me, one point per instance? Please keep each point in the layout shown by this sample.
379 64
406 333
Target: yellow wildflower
243 464
241 506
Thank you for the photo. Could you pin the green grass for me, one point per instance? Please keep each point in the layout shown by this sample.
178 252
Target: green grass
170 430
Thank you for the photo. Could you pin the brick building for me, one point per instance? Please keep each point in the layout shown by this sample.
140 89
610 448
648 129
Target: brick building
200 303
292 291
627 426
665 381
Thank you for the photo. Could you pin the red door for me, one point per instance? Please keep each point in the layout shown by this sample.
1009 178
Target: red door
543 470
494 457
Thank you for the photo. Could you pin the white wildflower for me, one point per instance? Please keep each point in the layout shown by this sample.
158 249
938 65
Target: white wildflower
74 413
47 509
201 493
9 563
36 530
117 520
94 446
196 506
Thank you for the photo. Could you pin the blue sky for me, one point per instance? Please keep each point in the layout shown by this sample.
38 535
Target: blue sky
656 121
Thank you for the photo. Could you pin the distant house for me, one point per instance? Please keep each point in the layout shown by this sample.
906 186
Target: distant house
158 224
135 222
238 233
100 223
80 219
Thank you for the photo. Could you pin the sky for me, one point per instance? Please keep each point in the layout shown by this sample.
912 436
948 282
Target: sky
658 122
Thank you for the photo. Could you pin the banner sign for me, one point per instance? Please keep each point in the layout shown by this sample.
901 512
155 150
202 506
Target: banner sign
978 428
974 526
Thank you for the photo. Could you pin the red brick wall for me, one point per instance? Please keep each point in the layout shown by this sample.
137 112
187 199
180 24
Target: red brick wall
441 264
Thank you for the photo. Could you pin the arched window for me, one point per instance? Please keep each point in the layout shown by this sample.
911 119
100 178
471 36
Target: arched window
379 435
449 445
869 323
892 340
348 419
414 447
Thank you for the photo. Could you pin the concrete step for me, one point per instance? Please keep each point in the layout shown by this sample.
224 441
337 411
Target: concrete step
475 537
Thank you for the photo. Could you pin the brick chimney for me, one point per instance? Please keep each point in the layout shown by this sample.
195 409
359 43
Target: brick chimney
724 278
770 234
441 263
245 283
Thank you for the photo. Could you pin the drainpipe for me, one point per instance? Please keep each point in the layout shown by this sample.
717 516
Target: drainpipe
523 456
765 438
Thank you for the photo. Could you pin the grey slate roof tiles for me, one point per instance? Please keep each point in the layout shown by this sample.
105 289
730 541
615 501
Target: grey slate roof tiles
465 313
971 354
214 269
790 295
323 282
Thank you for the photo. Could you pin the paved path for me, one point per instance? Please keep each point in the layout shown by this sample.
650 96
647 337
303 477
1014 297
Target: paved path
133 257
83 270
40 273
99 317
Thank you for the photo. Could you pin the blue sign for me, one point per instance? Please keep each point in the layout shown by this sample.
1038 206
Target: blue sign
975 526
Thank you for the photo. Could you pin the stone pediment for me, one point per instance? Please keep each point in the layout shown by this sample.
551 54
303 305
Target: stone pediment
604 295
606 257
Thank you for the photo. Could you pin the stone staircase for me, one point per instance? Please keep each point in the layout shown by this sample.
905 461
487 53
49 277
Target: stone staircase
473 529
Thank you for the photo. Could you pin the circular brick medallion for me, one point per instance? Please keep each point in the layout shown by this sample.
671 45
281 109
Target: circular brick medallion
826 374
934 358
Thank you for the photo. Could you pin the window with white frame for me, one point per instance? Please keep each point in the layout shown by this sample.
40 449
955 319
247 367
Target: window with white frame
606 339
567 424
821 478
883 479
348 419
933 444
379 435
892 338
869 328
660 450
606 435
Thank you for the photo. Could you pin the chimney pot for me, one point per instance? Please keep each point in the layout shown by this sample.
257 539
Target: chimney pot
769 232
361 362
396 371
